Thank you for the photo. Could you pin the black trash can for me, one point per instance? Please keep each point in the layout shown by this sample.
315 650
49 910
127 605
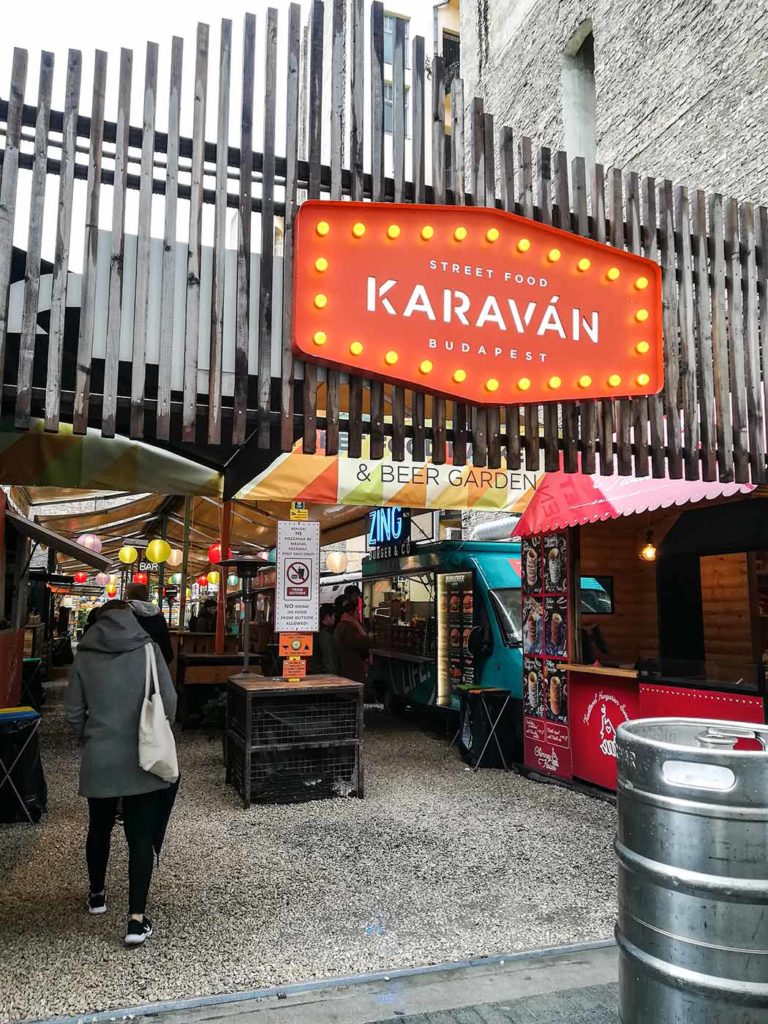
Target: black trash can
475 728
18 737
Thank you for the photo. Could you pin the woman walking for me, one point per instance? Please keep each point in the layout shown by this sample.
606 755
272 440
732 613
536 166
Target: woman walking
103 704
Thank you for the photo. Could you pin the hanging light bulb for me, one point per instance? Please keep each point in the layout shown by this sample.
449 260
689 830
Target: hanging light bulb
648 551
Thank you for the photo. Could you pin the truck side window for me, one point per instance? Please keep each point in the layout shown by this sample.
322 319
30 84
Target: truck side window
508 608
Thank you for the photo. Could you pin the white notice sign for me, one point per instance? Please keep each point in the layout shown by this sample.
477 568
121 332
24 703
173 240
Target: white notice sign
298 577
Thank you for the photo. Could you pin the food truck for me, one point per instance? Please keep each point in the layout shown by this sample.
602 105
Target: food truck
445 616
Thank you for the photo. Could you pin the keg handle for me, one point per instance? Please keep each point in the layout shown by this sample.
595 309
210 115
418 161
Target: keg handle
724 737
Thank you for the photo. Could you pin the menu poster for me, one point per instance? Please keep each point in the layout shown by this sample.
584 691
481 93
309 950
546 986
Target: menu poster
545 579
461 619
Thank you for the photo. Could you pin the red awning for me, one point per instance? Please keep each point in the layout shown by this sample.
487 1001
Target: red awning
573 499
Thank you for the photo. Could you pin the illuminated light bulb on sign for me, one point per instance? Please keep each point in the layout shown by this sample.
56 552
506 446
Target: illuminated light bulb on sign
323 227
584 264
427 232
492 384
393 231
641 283
613 274
356 348
425 366
321 264
321 301
459 376
523 384
523 245
554 383
553 255
643 380
585 380
492 234
614 380
319 337
391 358
358 230
642 347
642 315
460 234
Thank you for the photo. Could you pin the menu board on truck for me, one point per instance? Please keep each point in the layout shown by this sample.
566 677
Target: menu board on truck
545 577
457 619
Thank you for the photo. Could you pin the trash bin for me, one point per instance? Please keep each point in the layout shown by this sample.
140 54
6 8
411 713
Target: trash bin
23 791
692 846
475 727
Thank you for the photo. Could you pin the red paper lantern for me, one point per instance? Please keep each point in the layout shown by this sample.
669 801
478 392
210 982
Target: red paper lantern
214 553
140 577
202 581
81 577
111 590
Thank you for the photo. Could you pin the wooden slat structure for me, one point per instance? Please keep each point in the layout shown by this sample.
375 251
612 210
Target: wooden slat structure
183 330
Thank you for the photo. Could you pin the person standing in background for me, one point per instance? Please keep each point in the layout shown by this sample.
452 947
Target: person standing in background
352 643
325 656
150 618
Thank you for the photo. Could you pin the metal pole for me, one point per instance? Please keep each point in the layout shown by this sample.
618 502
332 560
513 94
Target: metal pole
185 562
221 618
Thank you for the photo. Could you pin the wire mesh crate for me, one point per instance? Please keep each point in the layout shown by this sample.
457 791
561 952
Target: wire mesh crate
289 742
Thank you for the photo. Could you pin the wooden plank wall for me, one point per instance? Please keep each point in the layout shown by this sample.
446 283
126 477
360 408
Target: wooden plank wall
726 608
710 420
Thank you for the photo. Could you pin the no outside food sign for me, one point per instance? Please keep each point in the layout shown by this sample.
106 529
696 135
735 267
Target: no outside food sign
298 577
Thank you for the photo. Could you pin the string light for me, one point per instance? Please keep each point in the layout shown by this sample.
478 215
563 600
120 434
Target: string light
459 376
553 255
613 274
614 380
391 358
642 315
641 283
524 383
554 383
358 230
642 347
643 380
492 234
321 301
585 381
319 337
425 366
356 348
492 384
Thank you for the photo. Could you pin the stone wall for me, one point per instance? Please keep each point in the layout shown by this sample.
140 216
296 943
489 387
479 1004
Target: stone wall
681 85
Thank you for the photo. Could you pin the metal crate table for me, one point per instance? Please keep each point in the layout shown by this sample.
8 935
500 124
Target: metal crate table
289 742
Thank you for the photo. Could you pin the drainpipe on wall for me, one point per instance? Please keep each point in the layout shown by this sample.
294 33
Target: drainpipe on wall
436 16
496 529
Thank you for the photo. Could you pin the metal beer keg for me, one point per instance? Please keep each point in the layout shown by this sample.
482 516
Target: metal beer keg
692 845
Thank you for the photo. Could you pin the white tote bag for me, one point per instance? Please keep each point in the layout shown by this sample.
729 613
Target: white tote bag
157 747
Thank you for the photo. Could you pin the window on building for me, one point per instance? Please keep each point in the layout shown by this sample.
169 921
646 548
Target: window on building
389 109
389 39
451 57
579 101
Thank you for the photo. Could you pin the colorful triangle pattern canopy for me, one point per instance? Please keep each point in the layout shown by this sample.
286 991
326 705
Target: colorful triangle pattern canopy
575 499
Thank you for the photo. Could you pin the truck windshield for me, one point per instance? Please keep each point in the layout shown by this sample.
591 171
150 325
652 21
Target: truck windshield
507 605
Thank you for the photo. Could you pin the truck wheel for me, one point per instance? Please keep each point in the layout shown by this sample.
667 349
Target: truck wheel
393 705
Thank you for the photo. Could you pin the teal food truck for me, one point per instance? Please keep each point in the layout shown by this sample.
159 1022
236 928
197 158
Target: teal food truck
445 616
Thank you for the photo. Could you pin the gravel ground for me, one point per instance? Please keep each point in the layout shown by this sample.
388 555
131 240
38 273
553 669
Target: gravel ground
436 864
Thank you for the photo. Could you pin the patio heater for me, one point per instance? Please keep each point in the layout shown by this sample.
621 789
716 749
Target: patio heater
246 567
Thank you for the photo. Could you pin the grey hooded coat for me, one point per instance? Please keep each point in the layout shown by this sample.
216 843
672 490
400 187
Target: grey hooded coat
103 703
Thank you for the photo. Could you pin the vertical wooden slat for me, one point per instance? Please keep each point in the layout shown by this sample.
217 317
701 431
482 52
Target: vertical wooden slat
752 343
688 388
622 408
478 414
639 406
707 429
720 340
338 65
267 258
377 184
655 402
570 414
551 418
291 170
219 236
493 412
532 410
588 418
398 149
195 245
458 186
438 195
671 348
34 245
512 412
604 409
356 151
141 304
168 299
736 341
63 231
763 299
244 210
8 186
417 173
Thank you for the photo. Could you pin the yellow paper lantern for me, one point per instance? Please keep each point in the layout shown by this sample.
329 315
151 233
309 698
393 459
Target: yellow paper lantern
127 554
158 550
175 558
214 577
189 592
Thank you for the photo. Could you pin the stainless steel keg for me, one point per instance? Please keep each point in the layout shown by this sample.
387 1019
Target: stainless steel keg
692 845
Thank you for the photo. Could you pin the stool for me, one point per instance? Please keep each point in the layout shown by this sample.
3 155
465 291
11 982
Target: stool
484 693
10 720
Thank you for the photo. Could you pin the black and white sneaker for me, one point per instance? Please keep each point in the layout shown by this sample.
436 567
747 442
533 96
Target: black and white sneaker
97 903
138 931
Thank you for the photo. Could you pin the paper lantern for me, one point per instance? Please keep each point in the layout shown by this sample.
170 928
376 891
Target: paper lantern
213 578
113 580
111 590
102 579
158 550
127 554
81 577
189 592
202 581
175 580
175 558
336 561
90 541
140 577
214 553
233 580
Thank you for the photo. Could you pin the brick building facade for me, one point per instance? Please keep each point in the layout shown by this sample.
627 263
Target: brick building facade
672 88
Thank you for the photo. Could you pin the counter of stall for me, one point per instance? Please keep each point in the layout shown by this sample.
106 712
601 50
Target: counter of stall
443 618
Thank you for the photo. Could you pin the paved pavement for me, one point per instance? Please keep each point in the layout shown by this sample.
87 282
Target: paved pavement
572 985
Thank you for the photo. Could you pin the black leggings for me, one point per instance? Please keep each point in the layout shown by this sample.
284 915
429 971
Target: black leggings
140 815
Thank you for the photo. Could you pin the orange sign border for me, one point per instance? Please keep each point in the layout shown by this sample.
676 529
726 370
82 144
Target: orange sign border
332 336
